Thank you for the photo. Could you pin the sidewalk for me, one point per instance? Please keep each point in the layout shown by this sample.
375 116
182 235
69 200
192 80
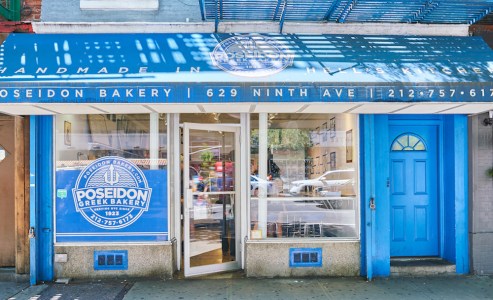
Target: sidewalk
444 287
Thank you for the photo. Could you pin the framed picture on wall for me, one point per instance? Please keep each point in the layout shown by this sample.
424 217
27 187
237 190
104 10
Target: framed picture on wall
317 165
332 127
67 133
317 136
332 160
324 132
313 137
325 162
349 146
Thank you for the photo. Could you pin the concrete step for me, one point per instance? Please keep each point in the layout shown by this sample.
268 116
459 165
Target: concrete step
421 266
8 274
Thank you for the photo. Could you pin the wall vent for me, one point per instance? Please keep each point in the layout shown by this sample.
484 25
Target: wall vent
305 257
111 260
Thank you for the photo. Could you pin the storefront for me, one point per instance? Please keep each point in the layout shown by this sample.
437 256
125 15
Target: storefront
282 155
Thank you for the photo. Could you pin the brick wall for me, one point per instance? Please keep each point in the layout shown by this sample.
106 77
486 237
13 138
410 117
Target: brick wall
481 202
31 10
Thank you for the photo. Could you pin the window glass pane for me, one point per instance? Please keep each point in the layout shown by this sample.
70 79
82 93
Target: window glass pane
396 146
419 146
408 142
111 178
403 141
413 141
82 139
311 183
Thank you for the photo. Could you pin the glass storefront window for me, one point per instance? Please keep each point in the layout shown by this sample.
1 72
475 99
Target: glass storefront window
308 185
84 138
111 178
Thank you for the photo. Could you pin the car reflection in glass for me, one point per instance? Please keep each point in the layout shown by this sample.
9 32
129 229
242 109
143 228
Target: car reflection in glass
256 183
333 183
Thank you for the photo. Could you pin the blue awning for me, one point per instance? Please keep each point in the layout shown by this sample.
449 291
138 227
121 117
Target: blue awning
209 68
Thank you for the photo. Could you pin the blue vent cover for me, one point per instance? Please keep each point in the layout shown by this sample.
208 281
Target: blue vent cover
111 260
305 257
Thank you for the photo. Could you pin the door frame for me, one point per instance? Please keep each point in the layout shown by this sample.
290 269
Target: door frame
417 121
228 266
374 163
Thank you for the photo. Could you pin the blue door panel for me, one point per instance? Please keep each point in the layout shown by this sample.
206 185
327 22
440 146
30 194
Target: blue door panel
398 177
414 192
421 223
420 177
398 217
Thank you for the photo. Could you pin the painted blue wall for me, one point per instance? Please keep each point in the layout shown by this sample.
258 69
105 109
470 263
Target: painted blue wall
44 197
461 192
33 215
456 240
365 190
374 162
381 256
448 251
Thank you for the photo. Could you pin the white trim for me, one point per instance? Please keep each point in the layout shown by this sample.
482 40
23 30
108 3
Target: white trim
263 156
469 108
119 5
174 135
187 199
106 244
187 203
244 184
213 193
302 241
154 141
210 269
258 27
112 234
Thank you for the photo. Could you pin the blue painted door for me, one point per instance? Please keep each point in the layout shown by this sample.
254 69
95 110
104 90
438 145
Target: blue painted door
413 191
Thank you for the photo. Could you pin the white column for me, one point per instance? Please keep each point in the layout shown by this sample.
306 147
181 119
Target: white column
262 173
244 181
175 173
154 141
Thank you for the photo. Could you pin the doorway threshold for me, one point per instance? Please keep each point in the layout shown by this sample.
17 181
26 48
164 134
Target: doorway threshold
213 276
421 266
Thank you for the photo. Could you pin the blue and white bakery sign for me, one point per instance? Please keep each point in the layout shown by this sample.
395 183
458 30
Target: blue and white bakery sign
112 199
111 193
252 56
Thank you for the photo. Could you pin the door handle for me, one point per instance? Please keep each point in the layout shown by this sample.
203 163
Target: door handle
372 203
32 233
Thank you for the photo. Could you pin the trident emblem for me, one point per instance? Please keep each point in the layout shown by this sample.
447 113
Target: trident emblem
114 176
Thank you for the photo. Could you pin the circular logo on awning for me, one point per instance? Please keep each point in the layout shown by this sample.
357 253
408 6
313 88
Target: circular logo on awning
251 56
111 193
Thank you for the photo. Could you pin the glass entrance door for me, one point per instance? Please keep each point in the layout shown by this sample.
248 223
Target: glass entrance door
211 201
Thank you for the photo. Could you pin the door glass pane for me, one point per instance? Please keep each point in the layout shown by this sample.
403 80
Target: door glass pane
211 209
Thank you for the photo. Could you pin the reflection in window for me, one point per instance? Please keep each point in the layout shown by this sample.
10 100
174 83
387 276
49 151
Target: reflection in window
310 187
81 139
408 142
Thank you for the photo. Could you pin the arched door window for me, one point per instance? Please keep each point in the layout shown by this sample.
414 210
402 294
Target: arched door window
408 142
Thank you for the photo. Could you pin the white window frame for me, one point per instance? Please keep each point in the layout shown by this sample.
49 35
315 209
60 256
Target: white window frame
119 5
